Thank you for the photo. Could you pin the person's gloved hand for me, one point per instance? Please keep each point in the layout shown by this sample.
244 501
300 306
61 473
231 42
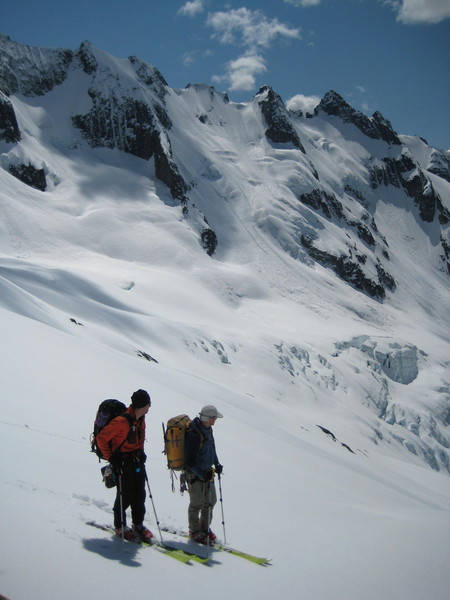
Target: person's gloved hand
219 469
209 475
142 457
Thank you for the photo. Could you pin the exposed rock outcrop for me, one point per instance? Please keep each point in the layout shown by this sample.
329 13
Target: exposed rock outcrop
351 271
9 129
117 119
405 172
30 175
31 71
280 129
375 127
439 165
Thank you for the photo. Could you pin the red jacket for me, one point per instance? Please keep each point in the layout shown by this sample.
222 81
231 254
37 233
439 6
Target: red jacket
118 430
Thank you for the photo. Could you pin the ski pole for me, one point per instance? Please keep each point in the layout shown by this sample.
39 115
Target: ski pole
209 516
221 506
121 505
153 504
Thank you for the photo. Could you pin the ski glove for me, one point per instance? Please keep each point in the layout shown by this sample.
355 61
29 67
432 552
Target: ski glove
209 476
219 469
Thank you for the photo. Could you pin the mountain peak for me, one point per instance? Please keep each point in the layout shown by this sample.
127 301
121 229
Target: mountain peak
376 127
29 70
280 129
87 58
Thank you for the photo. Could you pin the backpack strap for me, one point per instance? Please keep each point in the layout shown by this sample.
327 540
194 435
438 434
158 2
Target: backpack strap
128 418
193 430
192 427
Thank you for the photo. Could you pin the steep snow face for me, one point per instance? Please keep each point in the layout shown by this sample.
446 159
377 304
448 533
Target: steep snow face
302 258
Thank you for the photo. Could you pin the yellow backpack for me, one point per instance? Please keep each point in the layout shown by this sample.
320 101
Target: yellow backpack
174 441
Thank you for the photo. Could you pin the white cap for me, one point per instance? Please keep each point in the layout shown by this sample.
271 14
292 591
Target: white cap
209 412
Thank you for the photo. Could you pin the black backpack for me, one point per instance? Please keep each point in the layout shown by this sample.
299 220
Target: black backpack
106 412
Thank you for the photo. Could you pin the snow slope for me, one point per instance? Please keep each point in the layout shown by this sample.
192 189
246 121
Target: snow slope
103 270
334 523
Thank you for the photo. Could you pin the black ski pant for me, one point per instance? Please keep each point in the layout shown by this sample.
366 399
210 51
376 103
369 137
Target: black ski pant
130 493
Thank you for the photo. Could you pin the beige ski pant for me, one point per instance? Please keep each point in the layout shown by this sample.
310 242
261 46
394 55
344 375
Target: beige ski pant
203 498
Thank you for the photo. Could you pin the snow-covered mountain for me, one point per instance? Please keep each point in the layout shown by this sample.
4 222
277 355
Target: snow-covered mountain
291 268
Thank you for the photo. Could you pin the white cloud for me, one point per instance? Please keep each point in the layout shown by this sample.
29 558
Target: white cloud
189 58
241 73
255 32
303 103
191 9
249 28
415 12
304 3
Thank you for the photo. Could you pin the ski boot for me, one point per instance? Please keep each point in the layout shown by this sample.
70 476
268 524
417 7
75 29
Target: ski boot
143 533
127 534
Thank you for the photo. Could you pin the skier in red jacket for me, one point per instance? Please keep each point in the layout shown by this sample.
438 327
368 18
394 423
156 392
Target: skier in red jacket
122 444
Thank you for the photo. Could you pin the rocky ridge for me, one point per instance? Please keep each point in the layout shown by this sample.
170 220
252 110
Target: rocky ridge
131 114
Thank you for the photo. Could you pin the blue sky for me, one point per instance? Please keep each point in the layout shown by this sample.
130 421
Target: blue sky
386 55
